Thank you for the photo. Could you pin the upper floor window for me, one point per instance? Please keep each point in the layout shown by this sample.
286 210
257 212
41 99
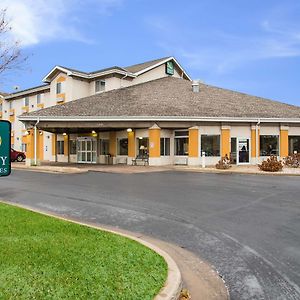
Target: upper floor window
10 105
59 88
1 107
26 101
99 86
38 98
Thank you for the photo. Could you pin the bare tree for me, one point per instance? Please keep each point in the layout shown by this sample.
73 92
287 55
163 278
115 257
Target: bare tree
10 52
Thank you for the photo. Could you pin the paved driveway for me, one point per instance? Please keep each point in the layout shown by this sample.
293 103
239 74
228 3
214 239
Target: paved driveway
247 226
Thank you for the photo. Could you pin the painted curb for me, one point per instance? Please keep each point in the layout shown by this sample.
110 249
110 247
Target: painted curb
173 284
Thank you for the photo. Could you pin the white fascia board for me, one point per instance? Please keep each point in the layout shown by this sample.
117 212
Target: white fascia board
26 92
153 118
87 76
161 63
68 72
94 75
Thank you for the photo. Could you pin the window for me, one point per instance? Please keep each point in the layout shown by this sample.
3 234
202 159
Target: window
38 98
1 106
24 147
210 144
26 101
104 146
72 147
269 145
165 146
181 143
10 105
58 88
99 86
60 147
122 146
294 144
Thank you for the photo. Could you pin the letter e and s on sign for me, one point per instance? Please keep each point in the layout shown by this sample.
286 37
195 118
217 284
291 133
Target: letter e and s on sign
5 147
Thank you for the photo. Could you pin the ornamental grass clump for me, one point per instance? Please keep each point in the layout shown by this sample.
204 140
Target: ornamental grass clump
292 161
224 163
272 164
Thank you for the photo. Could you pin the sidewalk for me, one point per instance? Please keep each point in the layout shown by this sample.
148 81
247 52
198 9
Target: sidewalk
73 168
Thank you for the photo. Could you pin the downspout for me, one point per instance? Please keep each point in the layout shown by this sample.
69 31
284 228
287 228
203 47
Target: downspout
257 140
35 141
126 75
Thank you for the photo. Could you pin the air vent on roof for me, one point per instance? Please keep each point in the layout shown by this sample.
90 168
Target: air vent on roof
196 86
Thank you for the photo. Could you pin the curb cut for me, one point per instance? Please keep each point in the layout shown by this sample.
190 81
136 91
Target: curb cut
173 284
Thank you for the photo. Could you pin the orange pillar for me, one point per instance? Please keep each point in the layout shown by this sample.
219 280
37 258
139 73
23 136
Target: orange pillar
154 141
193 142
131 144
284 141
225 141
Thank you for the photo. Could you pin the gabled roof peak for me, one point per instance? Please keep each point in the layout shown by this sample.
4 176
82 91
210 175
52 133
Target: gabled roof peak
133 70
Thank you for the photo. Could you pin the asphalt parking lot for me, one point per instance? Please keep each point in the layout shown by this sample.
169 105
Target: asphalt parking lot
246 226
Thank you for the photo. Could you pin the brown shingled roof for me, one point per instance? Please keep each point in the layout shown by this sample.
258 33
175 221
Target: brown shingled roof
172 97
139 67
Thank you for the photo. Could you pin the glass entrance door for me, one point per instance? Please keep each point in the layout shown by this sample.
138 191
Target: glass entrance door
243 151
87 150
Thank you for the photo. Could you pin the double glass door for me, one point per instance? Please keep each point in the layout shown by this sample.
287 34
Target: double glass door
240 150
86 150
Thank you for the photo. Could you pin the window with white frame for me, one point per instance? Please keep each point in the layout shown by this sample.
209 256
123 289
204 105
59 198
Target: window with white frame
294 144
181 143
72 147
1 106
165 146
269 145
59 87
210 144
26 101
10 105
38 98
99 86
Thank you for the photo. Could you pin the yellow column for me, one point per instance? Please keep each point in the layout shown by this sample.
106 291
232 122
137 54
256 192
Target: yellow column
30 145
112 143
284 141
193 142
225 141
154 141
254 140
131 144
66 145
40 145
54 139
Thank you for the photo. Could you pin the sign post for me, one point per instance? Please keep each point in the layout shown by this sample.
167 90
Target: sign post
5 147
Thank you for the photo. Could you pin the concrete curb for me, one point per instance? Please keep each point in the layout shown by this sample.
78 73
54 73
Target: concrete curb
231 172
173 284
52 170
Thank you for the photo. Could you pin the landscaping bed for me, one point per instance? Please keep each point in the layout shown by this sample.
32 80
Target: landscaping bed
45 258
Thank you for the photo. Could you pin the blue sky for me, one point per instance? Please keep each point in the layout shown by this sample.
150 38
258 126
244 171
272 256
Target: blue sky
249 46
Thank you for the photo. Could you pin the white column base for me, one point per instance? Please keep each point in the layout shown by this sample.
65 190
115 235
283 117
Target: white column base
30 162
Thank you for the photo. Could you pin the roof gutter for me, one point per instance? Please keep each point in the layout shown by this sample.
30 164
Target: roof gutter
154 118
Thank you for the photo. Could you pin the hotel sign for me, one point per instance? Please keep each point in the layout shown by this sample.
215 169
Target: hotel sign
169 68
5 162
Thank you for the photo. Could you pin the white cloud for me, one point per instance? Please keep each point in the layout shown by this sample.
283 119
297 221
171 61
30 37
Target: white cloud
36 21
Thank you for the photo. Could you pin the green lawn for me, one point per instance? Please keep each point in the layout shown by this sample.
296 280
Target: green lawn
45 258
